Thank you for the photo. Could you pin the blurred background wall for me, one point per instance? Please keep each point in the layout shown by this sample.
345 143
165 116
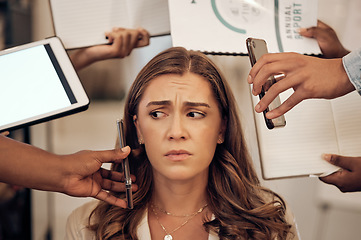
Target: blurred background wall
322 212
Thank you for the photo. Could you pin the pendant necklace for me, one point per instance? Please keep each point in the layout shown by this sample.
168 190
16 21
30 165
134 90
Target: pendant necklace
168 235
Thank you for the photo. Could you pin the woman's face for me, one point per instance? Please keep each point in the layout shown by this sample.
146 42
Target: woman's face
180 124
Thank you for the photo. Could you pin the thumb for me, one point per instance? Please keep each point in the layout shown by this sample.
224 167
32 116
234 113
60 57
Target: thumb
340 161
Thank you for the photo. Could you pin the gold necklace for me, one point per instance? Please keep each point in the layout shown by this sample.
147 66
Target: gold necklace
168 235
175 215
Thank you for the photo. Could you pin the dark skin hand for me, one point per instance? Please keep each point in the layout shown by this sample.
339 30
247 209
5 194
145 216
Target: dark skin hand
349 178
78 175
88 179
327 40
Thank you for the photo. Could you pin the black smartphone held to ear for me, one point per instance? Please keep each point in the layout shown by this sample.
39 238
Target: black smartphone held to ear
256 48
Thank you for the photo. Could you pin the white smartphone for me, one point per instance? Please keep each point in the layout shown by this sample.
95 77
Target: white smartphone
38 83
256 48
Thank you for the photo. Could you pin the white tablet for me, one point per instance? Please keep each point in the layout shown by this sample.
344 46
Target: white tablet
38 83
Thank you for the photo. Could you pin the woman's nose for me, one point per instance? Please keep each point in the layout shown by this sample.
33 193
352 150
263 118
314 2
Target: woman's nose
177 128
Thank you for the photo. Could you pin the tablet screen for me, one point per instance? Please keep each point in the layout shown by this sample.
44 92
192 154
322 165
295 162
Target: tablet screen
32 84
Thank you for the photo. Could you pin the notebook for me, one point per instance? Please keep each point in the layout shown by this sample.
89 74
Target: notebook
82 23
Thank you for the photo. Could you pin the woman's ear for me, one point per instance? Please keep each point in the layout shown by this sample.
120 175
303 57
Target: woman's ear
139 135
135 119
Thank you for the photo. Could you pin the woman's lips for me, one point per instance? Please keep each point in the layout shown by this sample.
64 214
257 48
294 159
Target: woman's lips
177 155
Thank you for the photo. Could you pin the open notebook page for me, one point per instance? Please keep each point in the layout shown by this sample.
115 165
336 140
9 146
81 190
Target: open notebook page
151 15
347 114
83 23
295 150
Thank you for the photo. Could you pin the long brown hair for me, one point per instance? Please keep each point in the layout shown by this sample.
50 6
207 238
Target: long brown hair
242 208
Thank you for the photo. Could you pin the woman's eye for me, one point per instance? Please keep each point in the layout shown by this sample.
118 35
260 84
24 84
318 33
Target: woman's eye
196 115
156 114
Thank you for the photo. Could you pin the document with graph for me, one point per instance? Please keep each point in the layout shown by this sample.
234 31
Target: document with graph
222 26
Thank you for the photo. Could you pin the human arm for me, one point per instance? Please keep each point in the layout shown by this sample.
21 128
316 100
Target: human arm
121 42
78 175
310 77
349 178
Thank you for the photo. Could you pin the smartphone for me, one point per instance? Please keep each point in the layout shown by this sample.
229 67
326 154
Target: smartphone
256 48
126 168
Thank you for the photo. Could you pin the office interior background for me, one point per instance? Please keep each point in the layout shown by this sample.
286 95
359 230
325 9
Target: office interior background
321 211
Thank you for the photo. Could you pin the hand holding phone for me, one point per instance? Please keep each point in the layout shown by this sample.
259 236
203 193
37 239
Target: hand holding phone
256 48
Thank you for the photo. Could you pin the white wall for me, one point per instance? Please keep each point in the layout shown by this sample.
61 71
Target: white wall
95 128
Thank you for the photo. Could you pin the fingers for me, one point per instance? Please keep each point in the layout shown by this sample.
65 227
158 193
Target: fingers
340 179
111 175
348 179
306 75
144 37
114 181
125 40
4 133
327 40
116 186
128 43
344 180
107 197
114 176
286 106
111 182
272 64
112 156
321 24
264 60
315 32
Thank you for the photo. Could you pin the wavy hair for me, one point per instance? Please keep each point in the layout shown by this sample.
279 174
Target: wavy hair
242 208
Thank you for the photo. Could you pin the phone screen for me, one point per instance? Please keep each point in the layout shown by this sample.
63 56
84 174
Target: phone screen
256 48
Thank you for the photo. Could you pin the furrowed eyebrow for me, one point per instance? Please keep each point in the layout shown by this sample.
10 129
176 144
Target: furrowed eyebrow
159 103
197 104
167 102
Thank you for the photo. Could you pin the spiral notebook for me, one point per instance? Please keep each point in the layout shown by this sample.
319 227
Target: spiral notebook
82 23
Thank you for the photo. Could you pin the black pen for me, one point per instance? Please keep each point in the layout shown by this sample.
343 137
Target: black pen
126 170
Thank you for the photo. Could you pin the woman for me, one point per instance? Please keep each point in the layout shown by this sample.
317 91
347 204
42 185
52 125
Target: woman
195 177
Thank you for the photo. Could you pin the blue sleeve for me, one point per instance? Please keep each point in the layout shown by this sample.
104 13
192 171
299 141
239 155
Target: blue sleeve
352 65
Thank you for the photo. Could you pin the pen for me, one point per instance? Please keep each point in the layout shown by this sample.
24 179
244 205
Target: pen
126 170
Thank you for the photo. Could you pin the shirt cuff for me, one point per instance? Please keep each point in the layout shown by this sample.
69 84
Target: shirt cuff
352 64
